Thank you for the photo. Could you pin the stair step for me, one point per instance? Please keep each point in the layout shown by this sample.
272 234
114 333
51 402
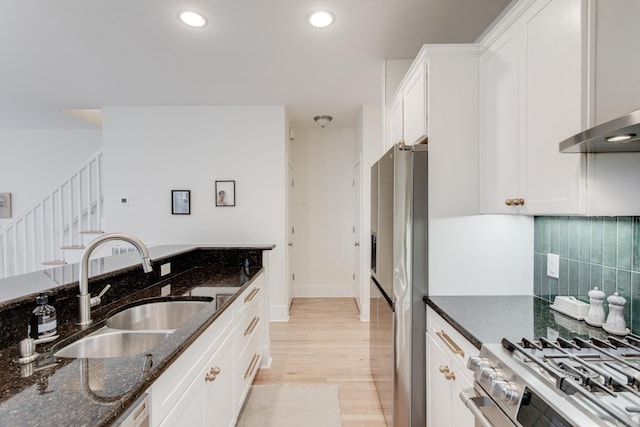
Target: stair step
72 247
92 232
56 262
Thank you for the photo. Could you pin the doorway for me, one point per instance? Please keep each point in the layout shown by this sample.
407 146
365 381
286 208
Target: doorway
323 209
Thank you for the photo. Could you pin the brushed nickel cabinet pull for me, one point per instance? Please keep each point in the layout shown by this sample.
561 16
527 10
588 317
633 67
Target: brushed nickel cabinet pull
252 325
252 294
450 343
508 202
252 365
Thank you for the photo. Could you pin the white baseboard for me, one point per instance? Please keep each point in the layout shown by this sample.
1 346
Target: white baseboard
323 291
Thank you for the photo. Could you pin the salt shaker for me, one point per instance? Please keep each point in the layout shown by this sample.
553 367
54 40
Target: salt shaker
615 321
596 315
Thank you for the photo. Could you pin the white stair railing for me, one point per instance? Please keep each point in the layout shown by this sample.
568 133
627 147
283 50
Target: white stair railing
43 235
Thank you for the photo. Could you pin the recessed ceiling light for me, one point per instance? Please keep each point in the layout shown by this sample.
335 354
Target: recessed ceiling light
193 19
321 19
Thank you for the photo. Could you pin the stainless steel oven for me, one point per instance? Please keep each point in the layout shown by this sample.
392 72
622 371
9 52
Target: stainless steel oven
559 383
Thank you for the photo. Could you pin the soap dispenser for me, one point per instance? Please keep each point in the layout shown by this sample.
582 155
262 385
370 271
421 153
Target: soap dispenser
615 321
596 316
42 320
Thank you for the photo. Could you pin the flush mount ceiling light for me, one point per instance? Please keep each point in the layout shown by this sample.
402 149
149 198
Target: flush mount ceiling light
192 19
621 138
321 19
323 120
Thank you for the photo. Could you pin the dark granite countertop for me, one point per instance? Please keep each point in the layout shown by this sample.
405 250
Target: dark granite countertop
488 319
95 392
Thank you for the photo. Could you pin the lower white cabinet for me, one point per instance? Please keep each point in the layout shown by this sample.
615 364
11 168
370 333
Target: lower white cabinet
207 384
208 400
447 375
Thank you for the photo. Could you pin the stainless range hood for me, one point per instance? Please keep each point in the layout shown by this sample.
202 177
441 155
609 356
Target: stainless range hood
616 136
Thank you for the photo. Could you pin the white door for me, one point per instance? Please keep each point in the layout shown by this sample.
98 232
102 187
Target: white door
357 246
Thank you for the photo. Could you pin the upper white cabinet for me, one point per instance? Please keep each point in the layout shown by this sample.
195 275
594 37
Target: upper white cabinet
407 112
533 92
414 95
551 69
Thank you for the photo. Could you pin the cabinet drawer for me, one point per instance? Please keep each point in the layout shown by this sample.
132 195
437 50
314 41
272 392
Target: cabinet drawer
249 326
450 339
250 297
248 364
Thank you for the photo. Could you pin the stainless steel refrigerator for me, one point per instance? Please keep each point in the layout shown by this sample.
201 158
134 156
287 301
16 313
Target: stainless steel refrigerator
399 272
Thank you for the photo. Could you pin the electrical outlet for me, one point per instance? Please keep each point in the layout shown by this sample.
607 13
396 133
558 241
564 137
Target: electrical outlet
165 269
553 265
165 290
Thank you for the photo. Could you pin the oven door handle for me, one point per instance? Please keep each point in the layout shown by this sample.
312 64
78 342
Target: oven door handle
471 399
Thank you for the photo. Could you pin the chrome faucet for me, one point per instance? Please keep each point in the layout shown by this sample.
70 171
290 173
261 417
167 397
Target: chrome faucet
85 302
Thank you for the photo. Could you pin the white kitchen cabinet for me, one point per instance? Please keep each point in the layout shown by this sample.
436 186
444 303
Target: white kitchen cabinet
407 112
414 95
209 398
208 383
394 122
533 92
446 353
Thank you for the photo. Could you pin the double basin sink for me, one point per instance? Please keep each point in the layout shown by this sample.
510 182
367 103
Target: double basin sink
134 329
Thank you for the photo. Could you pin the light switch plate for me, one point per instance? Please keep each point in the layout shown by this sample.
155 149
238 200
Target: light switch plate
165 269
553 265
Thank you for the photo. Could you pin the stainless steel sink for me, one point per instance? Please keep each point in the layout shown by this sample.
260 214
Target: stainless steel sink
112 343
156 315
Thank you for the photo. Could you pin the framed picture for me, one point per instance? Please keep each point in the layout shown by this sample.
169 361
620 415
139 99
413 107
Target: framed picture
5 205
225 193
181 202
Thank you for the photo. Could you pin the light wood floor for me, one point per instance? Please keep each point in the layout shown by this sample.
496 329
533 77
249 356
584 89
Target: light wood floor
325 342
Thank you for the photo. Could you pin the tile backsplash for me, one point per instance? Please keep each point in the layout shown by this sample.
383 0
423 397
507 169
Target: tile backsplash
593 251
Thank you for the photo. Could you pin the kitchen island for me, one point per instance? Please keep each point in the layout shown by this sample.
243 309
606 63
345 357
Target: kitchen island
98 391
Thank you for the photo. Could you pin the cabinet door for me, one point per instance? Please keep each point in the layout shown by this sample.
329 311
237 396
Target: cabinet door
415 106
499 124
553 40
438 387
395 122
189 410
219 389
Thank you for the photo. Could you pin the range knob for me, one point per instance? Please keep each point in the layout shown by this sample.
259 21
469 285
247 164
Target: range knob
476 363
486 375
504 391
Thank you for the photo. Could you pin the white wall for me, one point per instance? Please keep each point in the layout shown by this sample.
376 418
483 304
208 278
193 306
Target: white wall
324 212
34 162
371 148
149 151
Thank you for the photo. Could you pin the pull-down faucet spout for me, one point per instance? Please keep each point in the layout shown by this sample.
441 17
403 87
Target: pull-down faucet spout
84 298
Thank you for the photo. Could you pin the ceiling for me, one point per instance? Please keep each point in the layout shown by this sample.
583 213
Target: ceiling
78 54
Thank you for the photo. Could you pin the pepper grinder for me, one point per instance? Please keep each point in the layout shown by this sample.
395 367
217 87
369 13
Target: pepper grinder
615 321
596 315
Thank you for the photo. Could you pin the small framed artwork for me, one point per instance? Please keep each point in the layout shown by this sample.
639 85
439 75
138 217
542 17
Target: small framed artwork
225 193
5 205
180 202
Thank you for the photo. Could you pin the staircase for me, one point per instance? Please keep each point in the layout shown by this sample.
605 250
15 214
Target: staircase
54 230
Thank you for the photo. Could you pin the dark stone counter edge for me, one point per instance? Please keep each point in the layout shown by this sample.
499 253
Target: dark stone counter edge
473 340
